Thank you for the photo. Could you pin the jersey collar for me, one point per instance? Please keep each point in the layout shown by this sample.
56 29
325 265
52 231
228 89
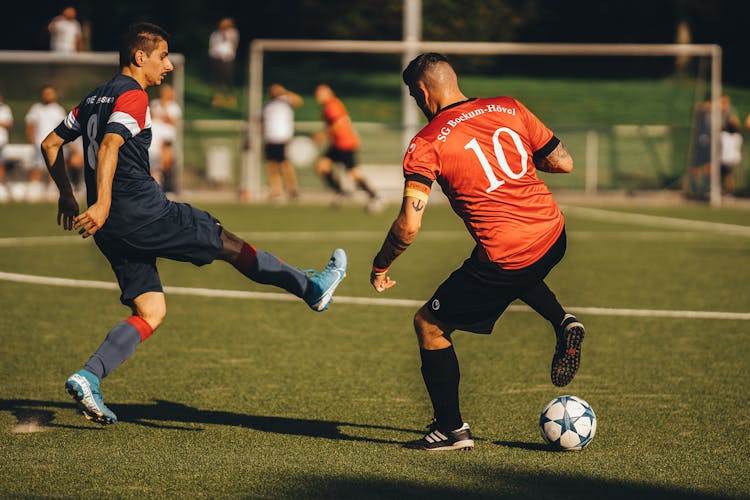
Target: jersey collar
449 106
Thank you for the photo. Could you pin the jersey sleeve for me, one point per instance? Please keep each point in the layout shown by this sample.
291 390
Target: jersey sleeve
70 128
129 115
333 111
538 133
421 168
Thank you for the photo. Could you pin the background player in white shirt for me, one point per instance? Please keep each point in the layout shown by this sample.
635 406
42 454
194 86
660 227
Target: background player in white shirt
6 122
41 119
166 116
278 130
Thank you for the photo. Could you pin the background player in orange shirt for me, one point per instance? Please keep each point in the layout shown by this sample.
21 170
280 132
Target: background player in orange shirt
484 153
344 144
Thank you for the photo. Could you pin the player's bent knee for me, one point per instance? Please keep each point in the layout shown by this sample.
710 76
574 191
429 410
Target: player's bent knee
431 334
152 307
231 246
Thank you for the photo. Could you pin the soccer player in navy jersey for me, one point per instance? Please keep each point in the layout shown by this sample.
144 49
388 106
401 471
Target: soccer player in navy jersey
132 221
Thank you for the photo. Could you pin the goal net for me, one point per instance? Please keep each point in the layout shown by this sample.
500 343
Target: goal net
627 115
24 73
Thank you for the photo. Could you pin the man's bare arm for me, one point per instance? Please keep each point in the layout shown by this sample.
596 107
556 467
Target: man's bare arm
90 221
401 234
558 161
67 206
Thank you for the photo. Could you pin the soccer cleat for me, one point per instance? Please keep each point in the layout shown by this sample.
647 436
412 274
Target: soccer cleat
83 386
436 440
567 356
322 285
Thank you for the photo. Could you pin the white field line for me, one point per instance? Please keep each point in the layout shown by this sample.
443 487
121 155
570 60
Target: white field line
369 301
336 236
288 236
657 221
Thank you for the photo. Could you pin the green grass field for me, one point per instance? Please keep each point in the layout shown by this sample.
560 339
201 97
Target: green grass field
263 398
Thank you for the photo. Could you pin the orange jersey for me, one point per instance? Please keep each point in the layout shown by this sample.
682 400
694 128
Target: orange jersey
481 152
343 136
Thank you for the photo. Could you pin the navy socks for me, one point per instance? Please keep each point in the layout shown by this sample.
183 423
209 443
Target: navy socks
268 269
118 346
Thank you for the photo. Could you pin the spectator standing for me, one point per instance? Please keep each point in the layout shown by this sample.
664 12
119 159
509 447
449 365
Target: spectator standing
278 130
6 122
166 116
222 50
731 155
65 32
41 119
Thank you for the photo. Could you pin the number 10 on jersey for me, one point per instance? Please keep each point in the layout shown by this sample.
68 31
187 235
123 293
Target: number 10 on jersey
500 156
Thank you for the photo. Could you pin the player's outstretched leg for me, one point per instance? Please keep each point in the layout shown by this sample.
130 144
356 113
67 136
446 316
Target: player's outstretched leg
567 356
83 386
320 289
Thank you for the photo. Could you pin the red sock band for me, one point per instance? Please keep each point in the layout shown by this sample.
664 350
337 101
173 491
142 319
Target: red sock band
140 324
247 258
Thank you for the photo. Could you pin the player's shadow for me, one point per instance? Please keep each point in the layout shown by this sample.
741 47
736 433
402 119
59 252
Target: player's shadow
169 415
524 446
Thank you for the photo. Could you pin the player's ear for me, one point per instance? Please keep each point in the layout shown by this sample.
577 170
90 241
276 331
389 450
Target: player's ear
139 57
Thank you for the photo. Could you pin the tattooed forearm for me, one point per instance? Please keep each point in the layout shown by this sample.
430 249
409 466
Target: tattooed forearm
417 205
559 160
393 246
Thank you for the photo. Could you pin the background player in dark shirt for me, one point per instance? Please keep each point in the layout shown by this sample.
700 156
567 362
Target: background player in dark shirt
133 222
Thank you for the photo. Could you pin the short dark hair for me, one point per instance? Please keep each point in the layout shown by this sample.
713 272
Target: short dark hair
419 65
140 36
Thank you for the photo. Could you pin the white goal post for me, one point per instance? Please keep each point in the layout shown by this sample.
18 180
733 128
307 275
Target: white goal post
252 163
101 59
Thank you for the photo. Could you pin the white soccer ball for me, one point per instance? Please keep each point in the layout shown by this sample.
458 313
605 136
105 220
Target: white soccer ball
568 423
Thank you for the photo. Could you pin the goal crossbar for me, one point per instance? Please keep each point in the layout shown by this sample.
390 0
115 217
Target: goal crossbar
251 168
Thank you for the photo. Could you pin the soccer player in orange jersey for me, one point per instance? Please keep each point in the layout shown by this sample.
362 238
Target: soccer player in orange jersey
344 144
484 153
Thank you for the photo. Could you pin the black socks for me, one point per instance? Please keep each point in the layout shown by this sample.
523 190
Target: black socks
441 376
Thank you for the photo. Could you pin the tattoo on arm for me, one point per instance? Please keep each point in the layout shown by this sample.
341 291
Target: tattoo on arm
418 205
556 160
393 246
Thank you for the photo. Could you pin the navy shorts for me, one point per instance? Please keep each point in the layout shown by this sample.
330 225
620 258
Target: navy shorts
476 294
185 234
276 152
347 158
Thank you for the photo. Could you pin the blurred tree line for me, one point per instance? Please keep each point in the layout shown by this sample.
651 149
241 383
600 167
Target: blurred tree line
191 21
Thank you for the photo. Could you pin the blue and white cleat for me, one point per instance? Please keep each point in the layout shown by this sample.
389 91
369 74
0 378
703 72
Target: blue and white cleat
322 285
83 386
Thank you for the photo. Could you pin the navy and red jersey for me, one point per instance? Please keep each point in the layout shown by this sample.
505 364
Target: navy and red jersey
481 152
119 106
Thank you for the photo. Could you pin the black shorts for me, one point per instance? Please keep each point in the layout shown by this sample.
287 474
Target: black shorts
185 234
476 294
276 152
347 158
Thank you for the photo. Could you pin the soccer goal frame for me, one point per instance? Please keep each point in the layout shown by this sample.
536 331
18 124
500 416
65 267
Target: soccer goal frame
251 167
104 59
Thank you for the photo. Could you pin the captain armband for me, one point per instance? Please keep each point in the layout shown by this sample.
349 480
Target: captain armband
417 190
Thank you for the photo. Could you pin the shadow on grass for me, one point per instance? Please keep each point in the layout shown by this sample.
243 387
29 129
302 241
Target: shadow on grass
474 481
166 414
